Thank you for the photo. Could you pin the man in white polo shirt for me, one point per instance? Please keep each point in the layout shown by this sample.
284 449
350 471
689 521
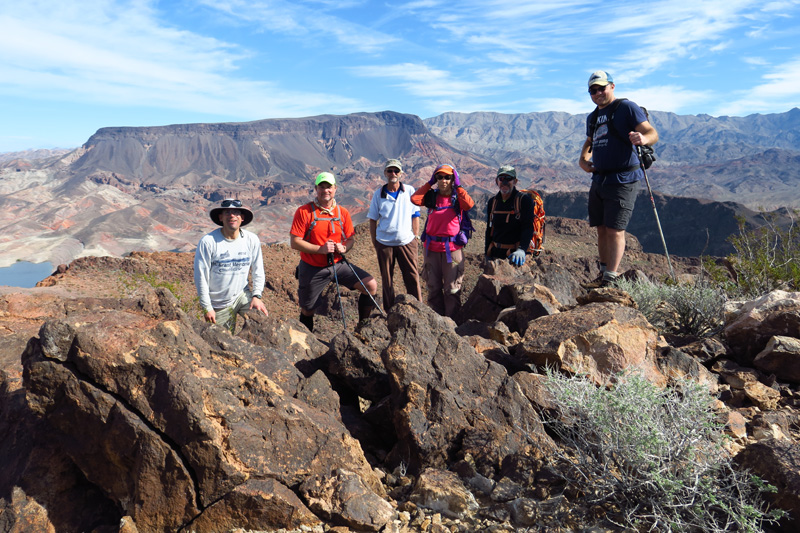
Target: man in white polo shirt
394 228
223 260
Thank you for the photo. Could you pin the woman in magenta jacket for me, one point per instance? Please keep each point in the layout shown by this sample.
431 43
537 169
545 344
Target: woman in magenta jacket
443 269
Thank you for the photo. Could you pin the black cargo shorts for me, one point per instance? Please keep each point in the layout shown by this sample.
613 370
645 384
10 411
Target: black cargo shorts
611 204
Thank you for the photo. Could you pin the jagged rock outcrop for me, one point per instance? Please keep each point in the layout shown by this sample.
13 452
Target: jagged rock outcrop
449 401
171 421
345 497
23 513
359 366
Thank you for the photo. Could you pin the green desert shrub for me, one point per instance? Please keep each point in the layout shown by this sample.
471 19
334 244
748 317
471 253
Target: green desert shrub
652 457
765 258
691 309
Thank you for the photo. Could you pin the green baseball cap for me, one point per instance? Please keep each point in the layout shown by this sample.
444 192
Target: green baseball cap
325 177
507 170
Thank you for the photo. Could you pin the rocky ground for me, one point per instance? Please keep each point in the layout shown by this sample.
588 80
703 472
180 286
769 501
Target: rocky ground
126 413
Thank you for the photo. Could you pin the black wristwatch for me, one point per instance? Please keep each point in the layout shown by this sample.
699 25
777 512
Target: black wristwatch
257 296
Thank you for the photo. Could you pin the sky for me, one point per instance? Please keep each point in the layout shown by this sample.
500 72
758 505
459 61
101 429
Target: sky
68 68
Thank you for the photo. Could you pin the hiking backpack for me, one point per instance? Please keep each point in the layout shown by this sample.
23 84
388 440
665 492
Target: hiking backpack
464 223
539 219
647 156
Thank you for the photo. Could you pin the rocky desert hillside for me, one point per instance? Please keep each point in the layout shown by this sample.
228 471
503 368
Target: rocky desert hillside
123 412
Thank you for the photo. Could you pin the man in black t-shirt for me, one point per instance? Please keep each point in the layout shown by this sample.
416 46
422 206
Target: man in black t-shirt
609 155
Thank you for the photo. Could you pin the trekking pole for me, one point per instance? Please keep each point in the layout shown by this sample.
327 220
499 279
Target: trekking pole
653 203
346 262
338 292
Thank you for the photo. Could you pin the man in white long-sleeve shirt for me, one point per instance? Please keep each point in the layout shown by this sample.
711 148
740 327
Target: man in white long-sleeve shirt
223 260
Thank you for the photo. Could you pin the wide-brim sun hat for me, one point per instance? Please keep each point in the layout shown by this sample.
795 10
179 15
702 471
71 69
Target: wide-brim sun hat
231 203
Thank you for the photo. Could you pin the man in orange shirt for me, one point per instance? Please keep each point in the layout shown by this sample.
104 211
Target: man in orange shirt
322 231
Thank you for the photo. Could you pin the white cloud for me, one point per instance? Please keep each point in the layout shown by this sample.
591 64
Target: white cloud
423 81
755 61
719 47
316 21
672 98
121 55
771 7
780 89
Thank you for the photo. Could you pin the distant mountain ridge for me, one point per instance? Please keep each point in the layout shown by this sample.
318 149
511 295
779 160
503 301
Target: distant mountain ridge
751 160
150 188
683 138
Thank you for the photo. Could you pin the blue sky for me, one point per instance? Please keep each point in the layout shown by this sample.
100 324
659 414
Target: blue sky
70 67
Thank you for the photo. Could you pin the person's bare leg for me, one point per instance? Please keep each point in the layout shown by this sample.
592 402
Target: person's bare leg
612 243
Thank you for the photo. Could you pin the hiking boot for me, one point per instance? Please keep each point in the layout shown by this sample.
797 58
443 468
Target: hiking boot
596 283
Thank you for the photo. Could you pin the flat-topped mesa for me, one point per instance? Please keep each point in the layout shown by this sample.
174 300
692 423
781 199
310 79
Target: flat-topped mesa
288 149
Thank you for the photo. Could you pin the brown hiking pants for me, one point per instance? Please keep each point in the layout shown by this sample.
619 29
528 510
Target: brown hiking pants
406 257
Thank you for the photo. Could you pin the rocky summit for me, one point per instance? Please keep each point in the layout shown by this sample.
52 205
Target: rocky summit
121 411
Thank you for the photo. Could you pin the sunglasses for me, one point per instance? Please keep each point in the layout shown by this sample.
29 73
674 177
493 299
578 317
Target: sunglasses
506 178
393 171
231 203
444 176
596 90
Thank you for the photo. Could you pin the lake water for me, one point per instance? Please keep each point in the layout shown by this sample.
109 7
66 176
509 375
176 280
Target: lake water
24 274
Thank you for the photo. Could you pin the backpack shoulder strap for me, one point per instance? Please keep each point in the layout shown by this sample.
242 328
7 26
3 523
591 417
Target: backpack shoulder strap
311 226
593 121
611 127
